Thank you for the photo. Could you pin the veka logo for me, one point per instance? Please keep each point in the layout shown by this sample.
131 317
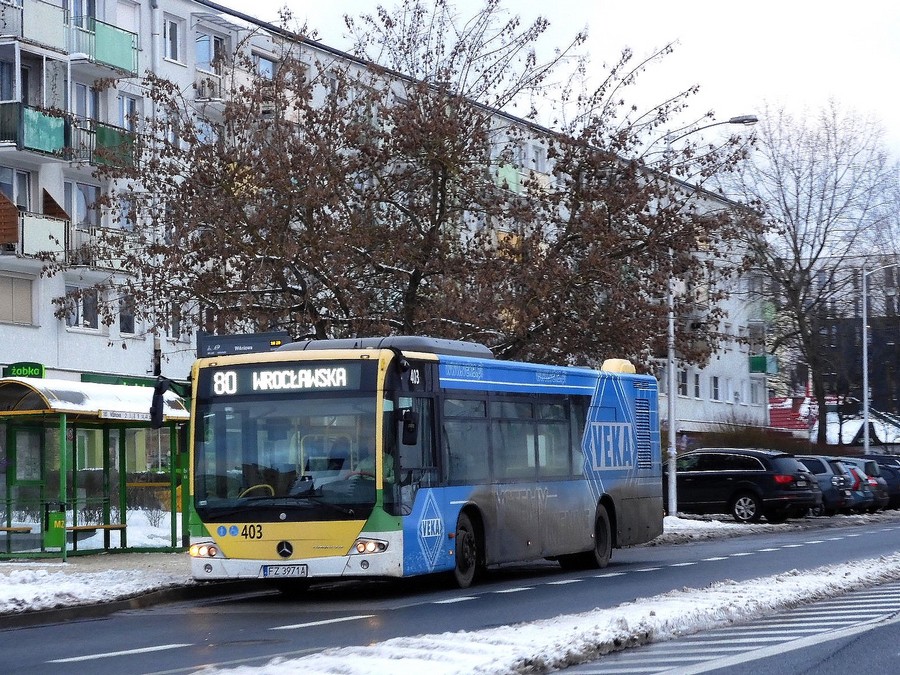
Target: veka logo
431 531
611 445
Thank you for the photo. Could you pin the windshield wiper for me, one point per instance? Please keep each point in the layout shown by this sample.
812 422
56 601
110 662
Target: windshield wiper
319 501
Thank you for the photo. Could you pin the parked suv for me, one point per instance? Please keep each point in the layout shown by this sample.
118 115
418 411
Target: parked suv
836 495
890 471
745 482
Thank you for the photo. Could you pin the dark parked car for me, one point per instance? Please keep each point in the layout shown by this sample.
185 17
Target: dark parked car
890 471
835 485
863 497
875 479
745 482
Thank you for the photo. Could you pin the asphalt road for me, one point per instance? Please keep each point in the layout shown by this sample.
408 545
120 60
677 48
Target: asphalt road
253 627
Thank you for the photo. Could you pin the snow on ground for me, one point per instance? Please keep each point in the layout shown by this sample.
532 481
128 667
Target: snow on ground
528 647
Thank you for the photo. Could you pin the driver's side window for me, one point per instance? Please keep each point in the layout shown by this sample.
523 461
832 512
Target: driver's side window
416 466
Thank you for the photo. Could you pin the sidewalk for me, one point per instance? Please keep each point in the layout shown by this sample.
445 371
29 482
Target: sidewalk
106 582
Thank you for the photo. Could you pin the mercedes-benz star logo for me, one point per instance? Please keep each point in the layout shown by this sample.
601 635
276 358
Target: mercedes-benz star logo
284 548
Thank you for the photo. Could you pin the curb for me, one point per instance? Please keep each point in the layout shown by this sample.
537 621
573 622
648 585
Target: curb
42 617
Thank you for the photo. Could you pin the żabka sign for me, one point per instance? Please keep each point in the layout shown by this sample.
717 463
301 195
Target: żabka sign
24 370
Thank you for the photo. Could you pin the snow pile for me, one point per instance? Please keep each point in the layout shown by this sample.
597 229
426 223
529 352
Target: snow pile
569 640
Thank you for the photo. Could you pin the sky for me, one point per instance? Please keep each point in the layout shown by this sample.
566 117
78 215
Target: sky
557 642
798 54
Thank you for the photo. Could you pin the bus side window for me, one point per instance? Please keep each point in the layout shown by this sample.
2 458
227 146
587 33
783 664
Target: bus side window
465 440
578 417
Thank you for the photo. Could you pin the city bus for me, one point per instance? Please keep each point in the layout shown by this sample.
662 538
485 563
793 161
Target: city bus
379 458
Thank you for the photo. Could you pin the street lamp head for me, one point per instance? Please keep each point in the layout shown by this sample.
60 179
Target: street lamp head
746 120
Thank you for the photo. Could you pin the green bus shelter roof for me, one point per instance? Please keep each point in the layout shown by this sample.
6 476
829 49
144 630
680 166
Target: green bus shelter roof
114 402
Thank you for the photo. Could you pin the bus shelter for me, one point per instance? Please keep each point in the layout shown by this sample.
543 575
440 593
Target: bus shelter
81 469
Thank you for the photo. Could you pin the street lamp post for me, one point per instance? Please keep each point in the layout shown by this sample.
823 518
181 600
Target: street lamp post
672 386
865 352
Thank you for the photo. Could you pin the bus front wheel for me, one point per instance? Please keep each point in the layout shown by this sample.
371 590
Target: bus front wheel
468 552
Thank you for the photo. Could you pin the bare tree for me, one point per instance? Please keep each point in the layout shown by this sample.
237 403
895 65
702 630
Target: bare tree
391 193
819 185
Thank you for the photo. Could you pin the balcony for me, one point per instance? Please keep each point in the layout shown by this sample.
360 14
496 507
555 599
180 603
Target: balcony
764 364
208 87
97 48
102 247
97 143
32 234
70 138
36 21
32 128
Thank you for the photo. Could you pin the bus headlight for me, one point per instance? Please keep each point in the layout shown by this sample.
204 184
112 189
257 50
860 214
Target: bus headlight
366 546
206 550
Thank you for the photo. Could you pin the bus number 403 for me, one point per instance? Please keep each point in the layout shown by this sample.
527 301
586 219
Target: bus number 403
252 532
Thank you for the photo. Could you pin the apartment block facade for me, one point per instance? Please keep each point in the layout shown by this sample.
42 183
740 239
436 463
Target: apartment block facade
57 126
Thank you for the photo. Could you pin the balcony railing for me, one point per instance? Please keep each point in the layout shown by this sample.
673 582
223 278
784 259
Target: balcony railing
104 43
36 21
32 128
48 24
95 142
102 247
764 364
71 138
38 236
208 87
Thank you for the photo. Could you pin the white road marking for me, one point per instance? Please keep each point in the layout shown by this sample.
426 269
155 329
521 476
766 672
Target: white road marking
124 652
322 623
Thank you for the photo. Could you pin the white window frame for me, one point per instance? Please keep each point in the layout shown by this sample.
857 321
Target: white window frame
15 307
125 329
76 201
128 110
173 39
83 313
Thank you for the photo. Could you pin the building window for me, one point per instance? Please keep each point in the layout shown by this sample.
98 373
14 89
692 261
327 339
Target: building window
696 385
265 67
126 314
7 81
539 155
82 309
714 393
209 50
755 393
16 186
81 204
128 111
15 300
173 30
174 328
87 101
682 383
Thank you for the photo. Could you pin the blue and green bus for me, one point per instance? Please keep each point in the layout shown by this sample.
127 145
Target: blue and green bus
401 456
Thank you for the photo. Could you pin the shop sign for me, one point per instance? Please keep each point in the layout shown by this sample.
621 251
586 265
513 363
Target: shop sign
24 369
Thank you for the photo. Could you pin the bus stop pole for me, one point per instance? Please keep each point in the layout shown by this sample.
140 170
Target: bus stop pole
63 481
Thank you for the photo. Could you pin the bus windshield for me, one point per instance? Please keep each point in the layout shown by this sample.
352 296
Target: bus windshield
310 455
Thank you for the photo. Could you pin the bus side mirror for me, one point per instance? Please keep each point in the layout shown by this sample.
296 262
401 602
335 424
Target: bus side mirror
410 422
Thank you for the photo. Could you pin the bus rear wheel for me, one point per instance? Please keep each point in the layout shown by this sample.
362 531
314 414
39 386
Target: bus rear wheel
602 539
468 553
598 557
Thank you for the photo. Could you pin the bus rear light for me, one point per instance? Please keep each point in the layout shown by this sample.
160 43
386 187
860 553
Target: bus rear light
365 546
204 551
